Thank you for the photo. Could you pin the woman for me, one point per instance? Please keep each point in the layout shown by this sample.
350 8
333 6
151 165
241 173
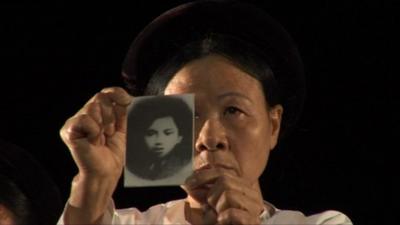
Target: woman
158 147
248 83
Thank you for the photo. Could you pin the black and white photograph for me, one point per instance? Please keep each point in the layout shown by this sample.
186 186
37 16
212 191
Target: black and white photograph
159 140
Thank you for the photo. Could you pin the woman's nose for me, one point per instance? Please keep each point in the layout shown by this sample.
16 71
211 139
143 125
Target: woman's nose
211 136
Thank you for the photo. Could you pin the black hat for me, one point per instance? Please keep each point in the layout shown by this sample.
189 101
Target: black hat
165 36
19 168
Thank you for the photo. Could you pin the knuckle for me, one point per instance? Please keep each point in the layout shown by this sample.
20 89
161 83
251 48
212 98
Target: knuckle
100 96
107 89
62 132
70 124
79 118
227 216
114 91
103 100
237 216
89 107
111 89
77 121
226 197
223 181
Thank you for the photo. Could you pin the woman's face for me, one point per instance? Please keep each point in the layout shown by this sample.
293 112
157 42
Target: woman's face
234 129
162 136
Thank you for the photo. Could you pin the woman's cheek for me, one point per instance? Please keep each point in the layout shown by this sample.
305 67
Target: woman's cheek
240 122
249 143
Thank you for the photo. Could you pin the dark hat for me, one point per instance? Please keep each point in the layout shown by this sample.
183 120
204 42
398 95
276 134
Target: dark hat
165 36
21 169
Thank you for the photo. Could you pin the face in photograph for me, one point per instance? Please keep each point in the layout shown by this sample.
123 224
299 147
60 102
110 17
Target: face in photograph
162 136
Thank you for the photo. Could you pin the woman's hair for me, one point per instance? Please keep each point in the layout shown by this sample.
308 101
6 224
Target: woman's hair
12 198
240 53
143 113
26 189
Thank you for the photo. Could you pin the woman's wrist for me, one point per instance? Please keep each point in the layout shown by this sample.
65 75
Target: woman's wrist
86 190
89 198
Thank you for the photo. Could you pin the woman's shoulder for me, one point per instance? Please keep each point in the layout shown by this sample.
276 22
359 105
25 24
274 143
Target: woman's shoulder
280 216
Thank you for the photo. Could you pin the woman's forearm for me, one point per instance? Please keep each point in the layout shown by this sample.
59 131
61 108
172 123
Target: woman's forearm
88 200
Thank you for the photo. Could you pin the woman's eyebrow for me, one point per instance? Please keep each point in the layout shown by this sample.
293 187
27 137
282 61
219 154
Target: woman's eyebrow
236 94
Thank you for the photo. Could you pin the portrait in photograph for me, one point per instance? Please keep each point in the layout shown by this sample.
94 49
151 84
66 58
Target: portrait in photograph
159 140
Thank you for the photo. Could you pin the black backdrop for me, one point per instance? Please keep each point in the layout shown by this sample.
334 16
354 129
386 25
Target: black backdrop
56 56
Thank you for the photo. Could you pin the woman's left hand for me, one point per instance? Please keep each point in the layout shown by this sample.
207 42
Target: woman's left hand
229 199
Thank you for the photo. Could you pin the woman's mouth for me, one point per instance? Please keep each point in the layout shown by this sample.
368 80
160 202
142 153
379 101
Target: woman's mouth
158 149
206 166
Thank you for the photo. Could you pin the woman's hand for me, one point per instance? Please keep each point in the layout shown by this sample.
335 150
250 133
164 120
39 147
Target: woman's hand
96 136
229 198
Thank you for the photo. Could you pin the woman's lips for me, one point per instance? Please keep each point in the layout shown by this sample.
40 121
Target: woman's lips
206 166
158 149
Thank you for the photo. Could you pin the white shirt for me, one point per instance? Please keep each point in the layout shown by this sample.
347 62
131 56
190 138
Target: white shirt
173 213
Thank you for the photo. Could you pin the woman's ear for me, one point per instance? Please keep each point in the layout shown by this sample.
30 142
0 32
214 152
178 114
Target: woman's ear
275 118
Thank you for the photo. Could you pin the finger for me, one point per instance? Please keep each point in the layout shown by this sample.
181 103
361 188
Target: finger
234 192
237 216
80 127
218 158
204 177
122 100
106 106
195 185
107 112
118 95
93 109
120 118
198 184
232 199
210 216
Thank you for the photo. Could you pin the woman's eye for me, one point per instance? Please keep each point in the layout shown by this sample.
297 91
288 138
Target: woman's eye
232 110
168 132
150 133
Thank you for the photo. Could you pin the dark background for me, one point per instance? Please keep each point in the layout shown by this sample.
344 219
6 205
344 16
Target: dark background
54 57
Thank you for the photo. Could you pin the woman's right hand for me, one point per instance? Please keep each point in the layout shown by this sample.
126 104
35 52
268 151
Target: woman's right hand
96 136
